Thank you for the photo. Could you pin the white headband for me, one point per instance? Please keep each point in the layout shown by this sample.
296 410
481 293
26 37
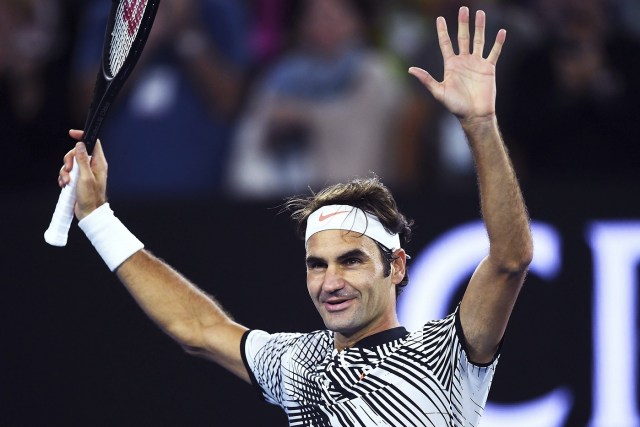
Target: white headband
349 218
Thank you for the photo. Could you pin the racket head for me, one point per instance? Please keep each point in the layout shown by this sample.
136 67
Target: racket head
130 28
127 31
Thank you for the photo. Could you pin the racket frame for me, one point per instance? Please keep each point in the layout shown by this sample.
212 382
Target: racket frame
105 91
108 86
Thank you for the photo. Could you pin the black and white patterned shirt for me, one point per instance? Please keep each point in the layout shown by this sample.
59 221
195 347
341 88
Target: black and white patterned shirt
393 378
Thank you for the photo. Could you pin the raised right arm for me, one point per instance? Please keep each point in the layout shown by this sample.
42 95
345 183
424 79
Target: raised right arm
191 317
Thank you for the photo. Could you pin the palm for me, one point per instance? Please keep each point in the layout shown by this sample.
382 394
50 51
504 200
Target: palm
468 89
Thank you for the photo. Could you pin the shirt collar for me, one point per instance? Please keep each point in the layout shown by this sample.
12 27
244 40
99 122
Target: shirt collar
382 337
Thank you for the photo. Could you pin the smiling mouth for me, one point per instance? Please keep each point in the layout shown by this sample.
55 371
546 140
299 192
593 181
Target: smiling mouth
336 305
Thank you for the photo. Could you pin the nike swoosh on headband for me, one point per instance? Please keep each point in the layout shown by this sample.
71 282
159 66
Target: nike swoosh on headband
324 216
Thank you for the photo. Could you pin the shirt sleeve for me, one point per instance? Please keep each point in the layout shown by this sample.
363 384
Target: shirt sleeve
446 358
263 356
465 345
472 379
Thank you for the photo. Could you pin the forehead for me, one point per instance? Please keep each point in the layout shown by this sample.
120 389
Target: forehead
335 242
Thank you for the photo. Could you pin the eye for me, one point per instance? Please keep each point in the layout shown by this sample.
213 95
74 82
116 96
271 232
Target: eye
352 261
315 265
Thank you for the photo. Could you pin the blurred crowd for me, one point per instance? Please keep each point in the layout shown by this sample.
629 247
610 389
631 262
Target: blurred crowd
260 99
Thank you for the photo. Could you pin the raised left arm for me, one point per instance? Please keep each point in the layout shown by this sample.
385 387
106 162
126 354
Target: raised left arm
469 91
494 286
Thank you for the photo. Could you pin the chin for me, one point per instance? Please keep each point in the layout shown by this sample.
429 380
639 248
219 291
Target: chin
342 326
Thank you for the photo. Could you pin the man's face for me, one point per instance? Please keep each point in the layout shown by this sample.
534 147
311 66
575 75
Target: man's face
345 279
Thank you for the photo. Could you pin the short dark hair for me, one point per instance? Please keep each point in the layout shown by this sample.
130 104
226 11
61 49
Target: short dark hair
367 194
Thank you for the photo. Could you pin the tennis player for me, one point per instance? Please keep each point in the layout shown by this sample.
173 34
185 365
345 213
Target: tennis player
365 369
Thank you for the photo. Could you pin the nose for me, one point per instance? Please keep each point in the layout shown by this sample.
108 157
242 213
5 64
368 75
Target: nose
333 280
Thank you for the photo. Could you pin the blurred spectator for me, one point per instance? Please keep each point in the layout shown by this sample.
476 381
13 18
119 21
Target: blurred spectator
168 133
629 13
267 29
323 113
574 106
32 101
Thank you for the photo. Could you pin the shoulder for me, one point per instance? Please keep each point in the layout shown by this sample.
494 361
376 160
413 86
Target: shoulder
258 340
438 326
435 334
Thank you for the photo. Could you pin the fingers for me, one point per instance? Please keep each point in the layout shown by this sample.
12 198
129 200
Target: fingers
68 160
67 164
98 161
62 181
65 170
95 164
82 159
497 47
426 79
443 38
76 134
463 30
464 37
478 35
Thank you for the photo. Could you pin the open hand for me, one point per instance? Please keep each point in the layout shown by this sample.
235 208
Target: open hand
469 86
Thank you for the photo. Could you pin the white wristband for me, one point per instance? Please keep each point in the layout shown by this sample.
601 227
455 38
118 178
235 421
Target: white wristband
113 241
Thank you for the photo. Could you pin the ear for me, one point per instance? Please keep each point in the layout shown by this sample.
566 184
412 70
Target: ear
398 266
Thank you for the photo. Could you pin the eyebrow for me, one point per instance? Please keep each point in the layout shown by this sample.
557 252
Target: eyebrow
310 260
343 257
352 254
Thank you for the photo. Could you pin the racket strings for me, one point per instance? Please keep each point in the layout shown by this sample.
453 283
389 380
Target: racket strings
127 23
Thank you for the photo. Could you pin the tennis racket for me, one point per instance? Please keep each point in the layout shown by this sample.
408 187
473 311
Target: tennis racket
127 31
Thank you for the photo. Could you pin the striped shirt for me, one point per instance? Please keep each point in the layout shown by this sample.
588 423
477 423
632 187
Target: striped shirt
393 378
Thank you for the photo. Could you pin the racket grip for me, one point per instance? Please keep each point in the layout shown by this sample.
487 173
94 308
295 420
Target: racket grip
56 234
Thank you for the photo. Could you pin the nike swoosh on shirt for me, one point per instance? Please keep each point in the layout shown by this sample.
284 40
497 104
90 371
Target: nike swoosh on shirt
329 215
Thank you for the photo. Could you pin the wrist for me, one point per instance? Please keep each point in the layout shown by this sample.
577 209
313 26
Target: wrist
479 125
111 239
84 211
479 121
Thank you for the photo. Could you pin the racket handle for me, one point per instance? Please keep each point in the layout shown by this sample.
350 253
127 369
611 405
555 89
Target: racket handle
58 230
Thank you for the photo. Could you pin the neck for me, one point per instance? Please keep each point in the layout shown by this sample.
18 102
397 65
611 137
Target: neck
347 340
